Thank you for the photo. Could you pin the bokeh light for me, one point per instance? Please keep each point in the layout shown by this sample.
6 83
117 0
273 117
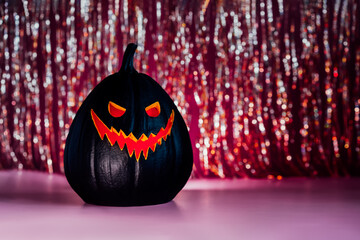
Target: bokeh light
268 88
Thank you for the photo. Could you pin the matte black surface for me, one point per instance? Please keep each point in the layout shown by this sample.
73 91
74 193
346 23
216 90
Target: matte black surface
106 175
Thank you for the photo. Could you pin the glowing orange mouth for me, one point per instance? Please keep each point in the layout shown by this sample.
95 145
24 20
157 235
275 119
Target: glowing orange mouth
133 144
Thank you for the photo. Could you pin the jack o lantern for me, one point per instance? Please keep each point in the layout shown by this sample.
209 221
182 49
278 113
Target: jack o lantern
128 144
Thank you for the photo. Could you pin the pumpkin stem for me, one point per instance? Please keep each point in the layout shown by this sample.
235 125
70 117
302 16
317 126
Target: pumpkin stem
128 58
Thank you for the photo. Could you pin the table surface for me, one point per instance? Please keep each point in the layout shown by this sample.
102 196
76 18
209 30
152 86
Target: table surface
35 205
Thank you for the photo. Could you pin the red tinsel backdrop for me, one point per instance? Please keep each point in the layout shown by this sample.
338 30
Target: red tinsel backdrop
268 88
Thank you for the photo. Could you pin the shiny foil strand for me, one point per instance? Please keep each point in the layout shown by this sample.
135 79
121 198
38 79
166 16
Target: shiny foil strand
268 88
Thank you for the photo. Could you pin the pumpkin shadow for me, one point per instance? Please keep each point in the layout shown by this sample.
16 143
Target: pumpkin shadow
169 209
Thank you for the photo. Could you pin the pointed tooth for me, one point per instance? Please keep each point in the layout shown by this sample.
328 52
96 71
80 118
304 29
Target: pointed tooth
121 147
145 153
131 153
159 141
112 129
132 137
153 147
131 148
121 144
143 137
121 140
122 133
137 155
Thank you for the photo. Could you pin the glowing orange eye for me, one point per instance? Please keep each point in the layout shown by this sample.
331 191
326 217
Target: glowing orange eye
153 110
115 110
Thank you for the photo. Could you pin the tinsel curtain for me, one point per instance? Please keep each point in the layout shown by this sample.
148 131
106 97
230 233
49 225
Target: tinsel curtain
268 88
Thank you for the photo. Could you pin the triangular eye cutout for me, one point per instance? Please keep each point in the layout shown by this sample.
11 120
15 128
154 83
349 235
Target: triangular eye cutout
153 110
115 110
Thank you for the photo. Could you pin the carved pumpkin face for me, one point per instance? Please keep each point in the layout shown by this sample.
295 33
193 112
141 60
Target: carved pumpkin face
133 144
128 144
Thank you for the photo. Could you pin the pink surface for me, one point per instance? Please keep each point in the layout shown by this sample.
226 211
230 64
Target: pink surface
39 206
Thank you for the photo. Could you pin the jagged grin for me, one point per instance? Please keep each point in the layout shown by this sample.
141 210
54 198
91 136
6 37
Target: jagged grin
133 144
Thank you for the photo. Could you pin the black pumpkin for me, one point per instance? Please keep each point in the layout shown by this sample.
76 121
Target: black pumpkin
128 144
